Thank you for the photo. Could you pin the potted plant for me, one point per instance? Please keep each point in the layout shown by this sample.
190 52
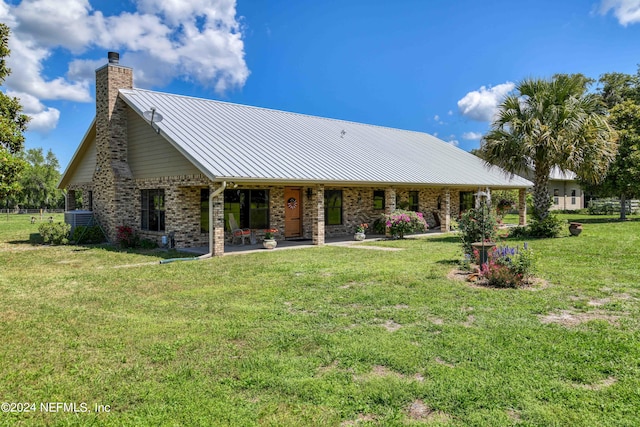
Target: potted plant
575 228
269 241
360 230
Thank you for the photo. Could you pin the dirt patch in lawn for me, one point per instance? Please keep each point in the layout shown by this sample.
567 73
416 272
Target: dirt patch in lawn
419 411
600 385
569 318
391 326
362 418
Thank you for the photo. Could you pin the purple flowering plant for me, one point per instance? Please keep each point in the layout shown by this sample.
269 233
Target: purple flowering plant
508 267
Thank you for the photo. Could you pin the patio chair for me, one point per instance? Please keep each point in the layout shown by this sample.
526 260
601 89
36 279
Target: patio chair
236 231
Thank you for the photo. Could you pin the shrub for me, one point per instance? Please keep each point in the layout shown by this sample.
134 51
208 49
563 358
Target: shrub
508 267
56 233
474 228
401 222
84 234
148 244
551 226
126 237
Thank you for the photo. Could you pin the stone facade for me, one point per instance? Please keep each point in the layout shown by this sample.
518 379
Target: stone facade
113 185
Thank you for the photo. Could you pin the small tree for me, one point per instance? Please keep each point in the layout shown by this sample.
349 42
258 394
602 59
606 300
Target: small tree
477 225
12 126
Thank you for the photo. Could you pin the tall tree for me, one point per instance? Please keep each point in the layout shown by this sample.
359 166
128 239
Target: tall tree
547 124
12 126
621 94
39 181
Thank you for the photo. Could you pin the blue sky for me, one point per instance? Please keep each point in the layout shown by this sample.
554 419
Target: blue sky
436 66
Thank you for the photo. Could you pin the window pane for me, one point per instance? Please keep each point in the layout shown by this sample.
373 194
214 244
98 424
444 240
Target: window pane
333 207
378 199
204 210
259 214
466 200
413 201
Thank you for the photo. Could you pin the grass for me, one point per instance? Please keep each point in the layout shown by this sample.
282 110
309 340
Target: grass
323 336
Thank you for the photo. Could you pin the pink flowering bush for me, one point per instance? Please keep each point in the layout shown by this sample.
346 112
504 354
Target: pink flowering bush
402 222
126 236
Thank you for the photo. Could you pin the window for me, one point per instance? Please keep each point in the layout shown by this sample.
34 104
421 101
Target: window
333 207
378 199
467 201
152 210
90 201
414 204
204 210
556 196
573 197
250 208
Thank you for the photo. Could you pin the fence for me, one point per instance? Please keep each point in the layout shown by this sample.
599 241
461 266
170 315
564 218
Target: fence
612 206
31 211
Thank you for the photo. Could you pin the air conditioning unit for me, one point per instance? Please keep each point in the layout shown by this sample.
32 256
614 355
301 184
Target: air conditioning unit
77 218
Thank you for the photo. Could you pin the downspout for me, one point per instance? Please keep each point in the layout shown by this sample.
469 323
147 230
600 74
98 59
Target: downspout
211 197
211 243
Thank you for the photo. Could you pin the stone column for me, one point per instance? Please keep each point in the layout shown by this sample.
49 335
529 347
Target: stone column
216 222
317 215
71 200
446 225
522 206
389 205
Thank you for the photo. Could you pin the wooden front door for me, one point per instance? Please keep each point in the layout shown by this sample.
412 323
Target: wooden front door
292 212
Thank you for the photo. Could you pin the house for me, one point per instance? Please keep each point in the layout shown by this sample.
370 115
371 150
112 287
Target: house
169 164
565 190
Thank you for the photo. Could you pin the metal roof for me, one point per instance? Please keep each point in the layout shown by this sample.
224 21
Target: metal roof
235 142
558 175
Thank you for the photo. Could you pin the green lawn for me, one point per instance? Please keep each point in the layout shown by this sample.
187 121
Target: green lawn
323 336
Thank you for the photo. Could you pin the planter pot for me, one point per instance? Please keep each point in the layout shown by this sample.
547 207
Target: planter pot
359 236
484 248
269 243
575 228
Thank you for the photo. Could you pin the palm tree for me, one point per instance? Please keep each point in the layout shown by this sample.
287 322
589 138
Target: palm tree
547 124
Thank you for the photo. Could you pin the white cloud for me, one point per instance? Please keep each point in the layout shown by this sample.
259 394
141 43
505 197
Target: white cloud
436 118
450 113
626 11
472 135
482 104
452 140
199 40
43 119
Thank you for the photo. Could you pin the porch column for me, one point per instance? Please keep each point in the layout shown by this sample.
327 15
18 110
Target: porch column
447 211
216 221
522 206
389 205
71 200
317 215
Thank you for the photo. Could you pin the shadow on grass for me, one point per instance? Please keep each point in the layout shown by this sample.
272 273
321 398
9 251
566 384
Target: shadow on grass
607 220
36 240
448 261
445 239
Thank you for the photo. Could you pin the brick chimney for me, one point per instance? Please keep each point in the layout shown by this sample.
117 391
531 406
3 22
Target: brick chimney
113 186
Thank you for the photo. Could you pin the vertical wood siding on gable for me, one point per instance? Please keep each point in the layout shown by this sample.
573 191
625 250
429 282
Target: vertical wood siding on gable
86 164
150 155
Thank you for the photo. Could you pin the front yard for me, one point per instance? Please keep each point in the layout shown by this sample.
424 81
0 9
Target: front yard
330 336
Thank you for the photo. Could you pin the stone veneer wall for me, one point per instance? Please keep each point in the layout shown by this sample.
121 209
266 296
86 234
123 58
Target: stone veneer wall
113 186
182 209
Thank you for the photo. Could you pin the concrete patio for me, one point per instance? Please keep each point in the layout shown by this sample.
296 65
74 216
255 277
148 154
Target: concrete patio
237 249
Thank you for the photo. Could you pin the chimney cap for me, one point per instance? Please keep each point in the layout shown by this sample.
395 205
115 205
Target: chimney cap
113 57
